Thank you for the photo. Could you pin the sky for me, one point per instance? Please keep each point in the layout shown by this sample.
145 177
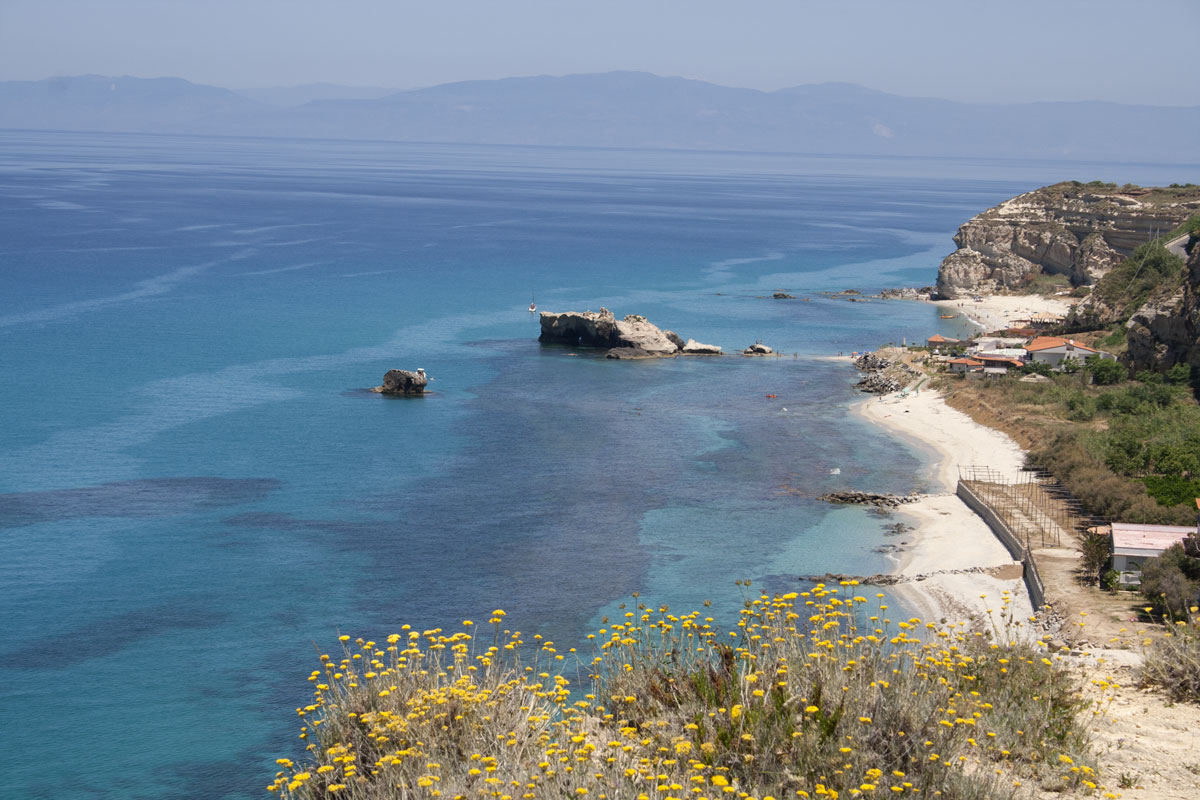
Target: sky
967 50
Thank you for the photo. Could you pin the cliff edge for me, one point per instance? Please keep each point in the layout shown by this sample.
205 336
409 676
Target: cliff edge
1076 230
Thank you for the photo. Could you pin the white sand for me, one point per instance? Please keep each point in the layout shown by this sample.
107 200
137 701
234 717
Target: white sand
948 535
1000 310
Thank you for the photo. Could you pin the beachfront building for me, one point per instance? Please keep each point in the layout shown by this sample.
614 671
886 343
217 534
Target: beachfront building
1007 345
1000 361
938 343
1133 545
1054 350
1044 320
961 366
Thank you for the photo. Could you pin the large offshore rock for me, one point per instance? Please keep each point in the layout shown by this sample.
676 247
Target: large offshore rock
403 382
602 329
1080 231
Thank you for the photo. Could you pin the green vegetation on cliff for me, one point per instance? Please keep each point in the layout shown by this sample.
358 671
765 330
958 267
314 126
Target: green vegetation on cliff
1128 451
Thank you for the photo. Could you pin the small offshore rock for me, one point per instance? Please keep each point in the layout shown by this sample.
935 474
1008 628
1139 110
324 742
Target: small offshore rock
694 348
783 296
758 349
403 382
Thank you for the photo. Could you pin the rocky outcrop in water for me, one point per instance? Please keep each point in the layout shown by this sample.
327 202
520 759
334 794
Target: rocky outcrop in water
693 348
1076 230
629 338
403 382
758 349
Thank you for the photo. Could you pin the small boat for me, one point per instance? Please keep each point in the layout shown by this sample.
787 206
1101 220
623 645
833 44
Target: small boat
532 305
947 316
772 396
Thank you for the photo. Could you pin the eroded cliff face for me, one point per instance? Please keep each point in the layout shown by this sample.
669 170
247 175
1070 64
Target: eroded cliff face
1166 330
1077 230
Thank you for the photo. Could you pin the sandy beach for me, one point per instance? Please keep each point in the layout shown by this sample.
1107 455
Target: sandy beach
1000 310
947 535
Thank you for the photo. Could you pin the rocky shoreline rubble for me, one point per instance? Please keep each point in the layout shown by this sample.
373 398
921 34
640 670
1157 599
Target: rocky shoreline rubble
882 376
854 497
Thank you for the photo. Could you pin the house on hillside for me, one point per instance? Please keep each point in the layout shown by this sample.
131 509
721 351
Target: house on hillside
1133 545
1053 350
938 343
999 361
961 366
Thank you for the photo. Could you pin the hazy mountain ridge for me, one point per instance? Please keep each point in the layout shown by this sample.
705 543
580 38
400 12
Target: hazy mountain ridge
618 109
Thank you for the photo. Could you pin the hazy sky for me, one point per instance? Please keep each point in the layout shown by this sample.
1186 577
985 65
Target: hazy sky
1002 50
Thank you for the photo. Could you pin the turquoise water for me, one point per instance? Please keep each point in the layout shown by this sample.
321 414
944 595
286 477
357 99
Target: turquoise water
195 486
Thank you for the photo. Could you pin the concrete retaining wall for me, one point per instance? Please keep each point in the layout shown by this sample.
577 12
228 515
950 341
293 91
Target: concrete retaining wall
1016 548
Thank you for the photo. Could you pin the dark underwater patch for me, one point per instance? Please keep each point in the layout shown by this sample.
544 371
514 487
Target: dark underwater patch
103 637
143 498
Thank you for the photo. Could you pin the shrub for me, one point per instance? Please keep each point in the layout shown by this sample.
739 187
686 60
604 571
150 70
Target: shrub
1104 371
1172 490
807 697
1097 554
1171 582
1173 660
1179 374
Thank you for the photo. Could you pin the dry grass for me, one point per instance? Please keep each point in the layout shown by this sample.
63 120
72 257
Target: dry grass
1172 660
808 695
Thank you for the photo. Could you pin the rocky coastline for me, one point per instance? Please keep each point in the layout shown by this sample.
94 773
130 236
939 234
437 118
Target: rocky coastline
1078 231
881 375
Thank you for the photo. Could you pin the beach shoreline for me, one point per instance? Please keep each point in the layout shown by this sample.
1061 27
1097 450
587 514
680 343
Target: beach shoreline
954 557
1000 311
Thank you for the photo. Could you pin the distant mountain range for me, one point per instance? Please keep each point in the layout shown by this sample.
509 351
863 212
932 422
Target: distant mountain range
615 109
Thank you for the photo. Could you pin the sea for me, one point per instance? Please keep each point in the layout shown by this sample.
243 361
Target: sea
199 492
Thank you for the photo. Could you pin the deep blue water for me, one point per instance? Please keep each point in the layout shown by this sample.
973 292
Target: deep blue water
194 487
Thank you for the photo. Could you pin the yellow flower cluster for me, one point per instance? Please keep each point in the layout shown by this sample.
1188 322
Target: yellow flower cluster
805 696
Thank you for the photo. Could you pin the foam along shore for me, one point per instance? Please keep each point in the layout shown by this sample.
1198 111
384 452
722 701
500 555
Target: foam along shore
947 535
999 311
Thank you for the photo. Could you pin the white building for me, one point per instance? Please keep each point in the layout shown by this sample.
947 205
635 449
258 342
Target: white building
1133 545
1053 350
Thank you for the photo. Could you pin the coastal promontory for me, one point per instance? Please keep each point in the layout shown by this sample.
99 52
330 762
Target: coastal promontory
1078 231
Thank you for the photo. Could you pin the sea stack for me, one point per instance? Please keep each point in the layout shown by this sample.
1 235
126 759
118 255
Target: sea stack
403 382
631 337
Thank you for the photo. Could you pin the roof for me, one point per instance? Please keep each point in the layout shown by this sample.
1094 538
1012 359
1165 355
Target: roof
937 337
1006 360
1146 540
970 362
1051 342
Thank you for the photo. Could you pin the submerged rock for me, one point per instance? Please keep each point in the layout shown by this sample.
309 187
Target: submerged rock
403 382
